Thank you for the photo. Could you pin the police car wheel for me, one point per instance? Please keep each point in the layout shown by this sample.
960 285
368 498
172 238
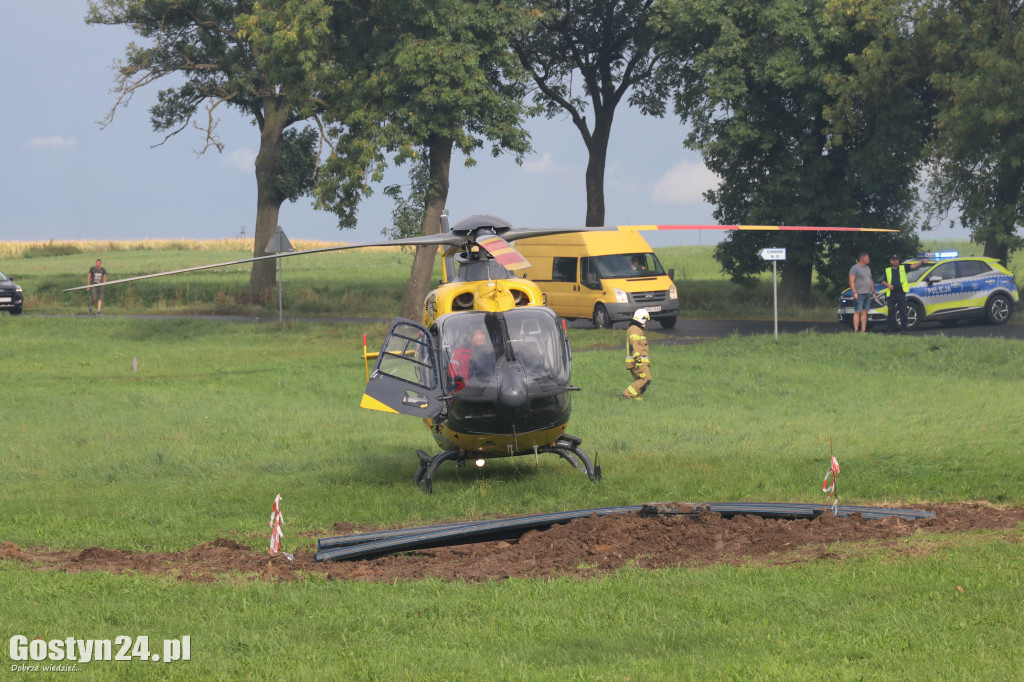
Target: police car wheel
998 309
16 310
915 313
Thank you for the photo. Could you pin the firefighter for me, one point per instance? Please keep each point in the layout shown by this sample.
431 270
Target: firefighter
637 360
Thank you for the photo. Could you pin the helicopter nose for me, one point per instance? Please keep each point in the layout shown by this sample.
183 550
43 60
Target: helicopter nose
511 388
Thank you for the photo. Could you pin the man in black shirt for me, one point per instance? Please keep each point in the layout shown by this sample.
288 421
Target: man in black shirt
97 275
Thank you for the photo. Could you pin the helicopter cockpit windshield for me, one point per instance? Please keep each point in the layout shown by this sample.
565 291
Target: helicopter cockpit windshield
473 343
505 370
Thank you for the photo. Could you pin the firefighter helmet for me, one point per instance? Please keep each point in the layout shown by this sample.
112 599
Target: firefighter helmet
641 316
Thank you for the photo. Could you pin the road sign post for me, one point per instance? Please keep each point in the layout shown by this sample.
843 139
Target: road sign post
774 255
279 244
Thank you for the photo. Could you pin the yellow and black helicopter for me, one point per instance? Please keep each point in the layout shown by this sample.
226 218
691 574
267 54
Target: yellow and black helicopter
487 368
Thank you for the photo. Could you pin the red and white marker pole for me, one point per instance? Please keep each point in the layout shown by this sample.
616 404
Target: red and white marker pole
833 471
275 526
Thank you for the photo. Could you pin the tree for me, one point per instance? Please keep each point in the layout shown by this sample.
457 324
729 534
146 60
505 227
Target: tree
755 85
614 48
971 54
235 53
432 80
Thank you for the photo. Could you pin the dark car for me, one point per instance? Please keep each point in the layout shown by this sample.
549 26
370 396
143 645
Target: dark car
947 288
11 298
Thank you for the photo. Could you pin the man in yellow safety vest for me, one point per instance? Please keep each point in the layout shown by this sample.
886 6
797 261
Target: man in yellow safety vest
896 287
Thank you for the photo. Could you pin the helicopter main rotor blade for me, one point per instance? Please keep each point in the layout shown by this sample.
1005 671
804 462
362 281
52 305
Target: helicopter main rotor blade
783 228
495 242
446 239
524 233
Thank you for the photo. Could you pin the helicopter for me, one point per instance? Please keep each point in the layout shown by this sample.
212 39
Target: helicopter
488 367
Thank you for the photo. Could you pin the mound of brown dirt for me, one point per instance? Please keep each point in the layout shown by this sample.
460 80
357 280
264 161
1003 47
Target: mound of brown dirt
582 548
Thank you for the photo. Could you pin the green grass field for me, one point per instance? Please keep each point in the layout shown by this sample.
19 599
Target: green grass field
220 417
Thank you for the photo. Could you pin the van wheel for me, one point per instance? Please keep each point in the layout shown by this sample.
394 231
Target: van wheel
667 322
602 320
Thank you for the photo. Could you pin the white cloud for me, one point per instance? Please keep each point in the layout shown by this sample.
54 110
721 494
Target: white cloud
241 159
52 142
545 164
684 184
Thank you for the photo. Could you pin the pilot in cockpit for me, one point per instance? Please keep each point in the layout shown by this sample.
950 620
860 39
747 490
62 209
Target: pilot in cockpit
471 360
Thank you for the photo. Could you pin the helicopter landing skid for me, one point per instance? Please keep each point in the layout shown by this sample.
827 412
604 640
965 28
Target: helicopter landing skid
567 447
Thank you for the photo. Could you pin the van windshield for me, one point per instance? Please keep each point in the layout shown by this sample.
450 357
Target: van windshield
621 265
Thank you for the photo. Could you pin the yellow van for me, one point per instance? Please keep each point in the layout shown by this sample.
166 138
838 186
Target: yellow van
603 276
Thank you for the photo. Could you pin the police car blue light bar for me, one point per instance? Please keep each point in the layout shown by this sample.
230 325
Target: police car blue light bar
939 255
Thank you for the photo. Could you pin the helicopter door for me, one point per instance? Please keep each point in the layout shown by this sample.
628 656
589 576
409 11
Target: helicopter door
405 377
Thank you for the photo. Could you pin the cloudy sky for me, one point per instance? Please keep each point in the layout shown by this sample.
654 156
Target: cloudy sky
65 177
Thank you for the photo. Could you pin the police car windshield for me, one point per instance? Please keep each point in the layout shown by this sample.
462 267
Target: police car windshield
621 265
3 277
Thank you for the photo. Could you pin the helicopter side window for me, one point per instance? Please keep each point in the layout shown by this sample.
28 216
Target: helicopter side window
406 356
468 350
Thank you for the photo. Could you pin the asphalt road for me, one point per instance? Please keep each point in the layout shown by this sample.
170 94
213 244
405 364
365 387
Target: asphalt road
722 328
685 328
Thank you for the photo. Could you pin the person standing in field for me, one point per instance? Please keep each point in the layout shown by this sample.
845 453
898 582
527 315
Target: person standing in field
97 276
896 286
863 289
638 360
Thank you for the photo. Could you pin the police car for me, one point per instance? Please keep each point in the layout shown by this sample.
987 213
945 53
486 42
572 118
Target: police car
947 288
11 297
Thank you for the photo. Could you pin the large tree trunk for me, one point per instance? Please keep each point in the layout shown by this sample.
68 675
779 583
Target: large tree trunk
996 248
268 199
440 150
795 284
597 146
999 235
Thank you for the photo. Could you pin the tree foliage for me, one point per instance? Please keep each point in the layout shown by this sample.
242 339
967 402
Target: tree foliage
237 54
612 47
970 55
430 79
755 86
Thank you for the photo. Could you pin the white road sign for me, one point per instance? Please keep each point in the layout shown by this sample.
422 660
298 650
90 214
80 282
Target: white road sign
772 254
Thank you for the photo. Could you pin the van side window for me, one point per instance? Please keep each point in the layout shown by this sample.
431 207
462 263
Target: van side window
588 274
563 269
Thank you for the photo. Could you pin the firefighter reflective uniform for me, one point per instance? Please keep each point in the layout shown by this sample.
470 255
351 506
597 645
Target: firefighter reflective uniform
638 362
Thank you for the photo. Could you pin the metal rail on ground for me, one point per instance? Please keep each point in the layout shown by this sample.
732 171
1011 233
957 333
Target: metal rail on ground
364 545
